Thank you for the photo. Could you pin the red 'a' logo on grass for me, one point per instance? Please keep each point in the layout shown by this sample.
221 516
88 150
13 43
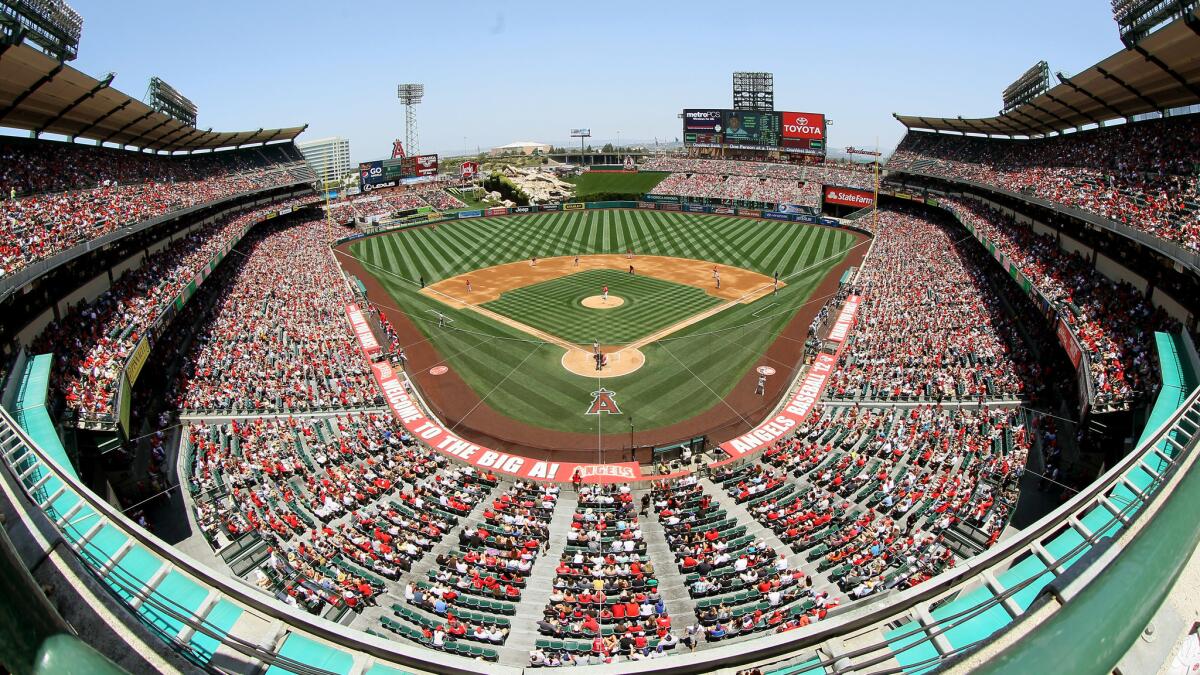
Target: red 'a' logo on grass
603 401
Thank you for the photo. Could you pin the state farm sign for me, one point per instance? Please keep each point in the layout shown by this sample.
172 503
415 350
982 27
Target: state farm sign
808 126
848 196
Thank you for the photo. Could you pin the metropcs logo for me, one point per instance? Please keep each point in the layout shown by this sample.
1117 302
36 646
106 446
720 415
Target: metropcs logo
603 401
703 114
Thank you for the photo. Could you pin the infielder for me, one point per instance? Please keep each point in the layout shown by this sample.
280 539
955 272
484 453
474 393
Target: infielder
604 293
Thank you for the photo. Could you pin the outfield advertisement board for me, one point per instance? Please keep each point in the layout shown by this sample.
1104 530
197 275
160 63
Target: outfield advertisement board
468 169
845 196
524 209
647 205
425 165
496 211
549 207
573 206
786 131
470 214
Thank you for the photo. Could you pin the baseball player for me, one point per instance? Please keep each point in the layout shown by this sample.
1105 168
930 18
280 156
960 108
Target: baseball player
468 285
777 283
605 294
441 320
717 276
631 269
577 260
761 387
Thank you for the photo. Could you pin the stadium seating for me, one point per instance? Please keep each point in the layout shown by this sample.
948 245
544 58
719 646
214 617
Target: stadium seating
56 195
1140 174
1112 320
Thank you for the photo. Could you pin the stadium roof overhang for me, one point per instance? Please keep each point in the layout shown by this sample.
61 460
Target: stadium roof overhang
44 95
1159 73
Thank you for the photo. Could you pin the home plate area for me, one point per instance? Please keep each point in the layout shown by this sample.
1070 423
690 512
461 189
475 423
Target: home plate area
618 361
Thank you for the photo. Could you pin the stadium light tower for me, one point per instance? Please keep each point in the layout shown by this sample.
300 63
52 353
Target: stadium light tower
410 95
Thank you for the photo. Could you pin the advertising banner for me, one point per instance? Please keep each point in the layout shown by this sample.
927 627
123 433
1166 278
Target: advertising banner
1068 342
425 165
442 440
137 359
845 319
694 208
496 211
802 125
549 207
468 170
573 206
849 196
805 399
777 215
792 414
661 199
470 214
702 121
362 330
753 213
670 207
722 210
647 205
524 209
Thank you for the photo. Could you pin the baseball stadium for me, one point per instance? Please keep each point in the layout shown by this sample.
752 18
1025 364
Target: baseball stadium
764 399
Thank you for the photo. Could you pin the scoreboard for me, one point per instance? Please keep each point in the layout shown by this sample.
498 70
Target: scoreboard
794 132
389 172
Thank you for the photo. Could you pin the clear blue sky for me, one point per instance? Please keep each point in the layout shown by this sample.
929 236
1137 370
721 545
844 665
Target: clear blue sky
499 72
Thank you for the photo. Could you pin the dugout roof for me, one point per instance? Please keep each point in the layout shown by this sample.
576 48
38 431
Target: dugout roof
1160 72
44 95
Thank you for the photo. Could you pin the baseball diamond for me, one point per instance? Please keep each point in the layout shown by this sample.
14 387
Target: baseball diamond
504 346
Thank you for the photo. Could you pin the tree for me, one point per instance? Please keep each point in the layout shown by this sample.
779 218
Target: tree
608 147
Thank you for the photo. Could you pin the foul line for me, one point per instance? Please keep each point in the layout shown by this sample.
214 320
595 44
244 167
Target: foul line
493 389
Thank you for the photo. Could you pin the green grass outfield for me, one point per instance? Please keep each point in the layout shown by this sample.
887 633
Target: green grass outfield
641 182
650 304
684 375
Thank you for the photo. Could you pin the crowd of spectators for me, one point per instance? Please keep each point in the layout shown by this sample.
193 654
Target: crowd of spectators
739 188
1113 320
1141 174
385 202
57 195
341 501
931 326
276 337
763 182
92 341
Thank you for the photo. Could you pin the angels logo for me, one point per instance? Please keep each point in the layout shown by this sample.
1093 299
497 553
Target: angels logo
603 401
397 149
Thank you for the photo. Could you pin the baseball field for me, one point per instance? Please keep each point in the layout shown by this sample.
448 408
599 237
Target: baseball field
468 295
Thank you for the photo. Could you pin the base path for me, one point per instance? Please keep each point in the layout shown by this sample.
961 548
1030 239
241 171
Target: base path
489 283
601 302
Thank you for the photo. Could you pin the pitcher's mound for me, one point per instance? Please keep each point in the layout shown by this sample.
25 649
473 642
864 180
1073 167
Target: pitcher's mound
622 362
598 302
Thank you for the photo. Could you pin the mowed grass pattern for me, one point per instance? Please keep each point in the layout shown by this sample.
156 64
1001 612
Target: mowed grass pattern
650 304
684 375
591 182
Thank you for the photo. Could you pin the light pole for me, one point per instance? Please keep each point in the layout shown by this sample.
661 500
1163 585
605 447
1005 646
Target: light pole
618 147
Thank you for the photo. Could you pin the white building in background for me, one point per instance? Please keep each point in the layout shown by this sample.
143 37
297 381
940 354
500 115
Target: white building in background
520 148
328 157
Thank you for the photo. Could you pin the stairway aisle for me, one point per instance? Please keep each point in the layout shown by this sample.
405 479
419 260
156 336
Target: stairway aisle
671 584
540 583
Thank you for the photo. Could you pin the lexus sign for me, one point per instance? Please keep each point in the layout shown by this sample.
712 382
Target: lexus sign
806 126
848 196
